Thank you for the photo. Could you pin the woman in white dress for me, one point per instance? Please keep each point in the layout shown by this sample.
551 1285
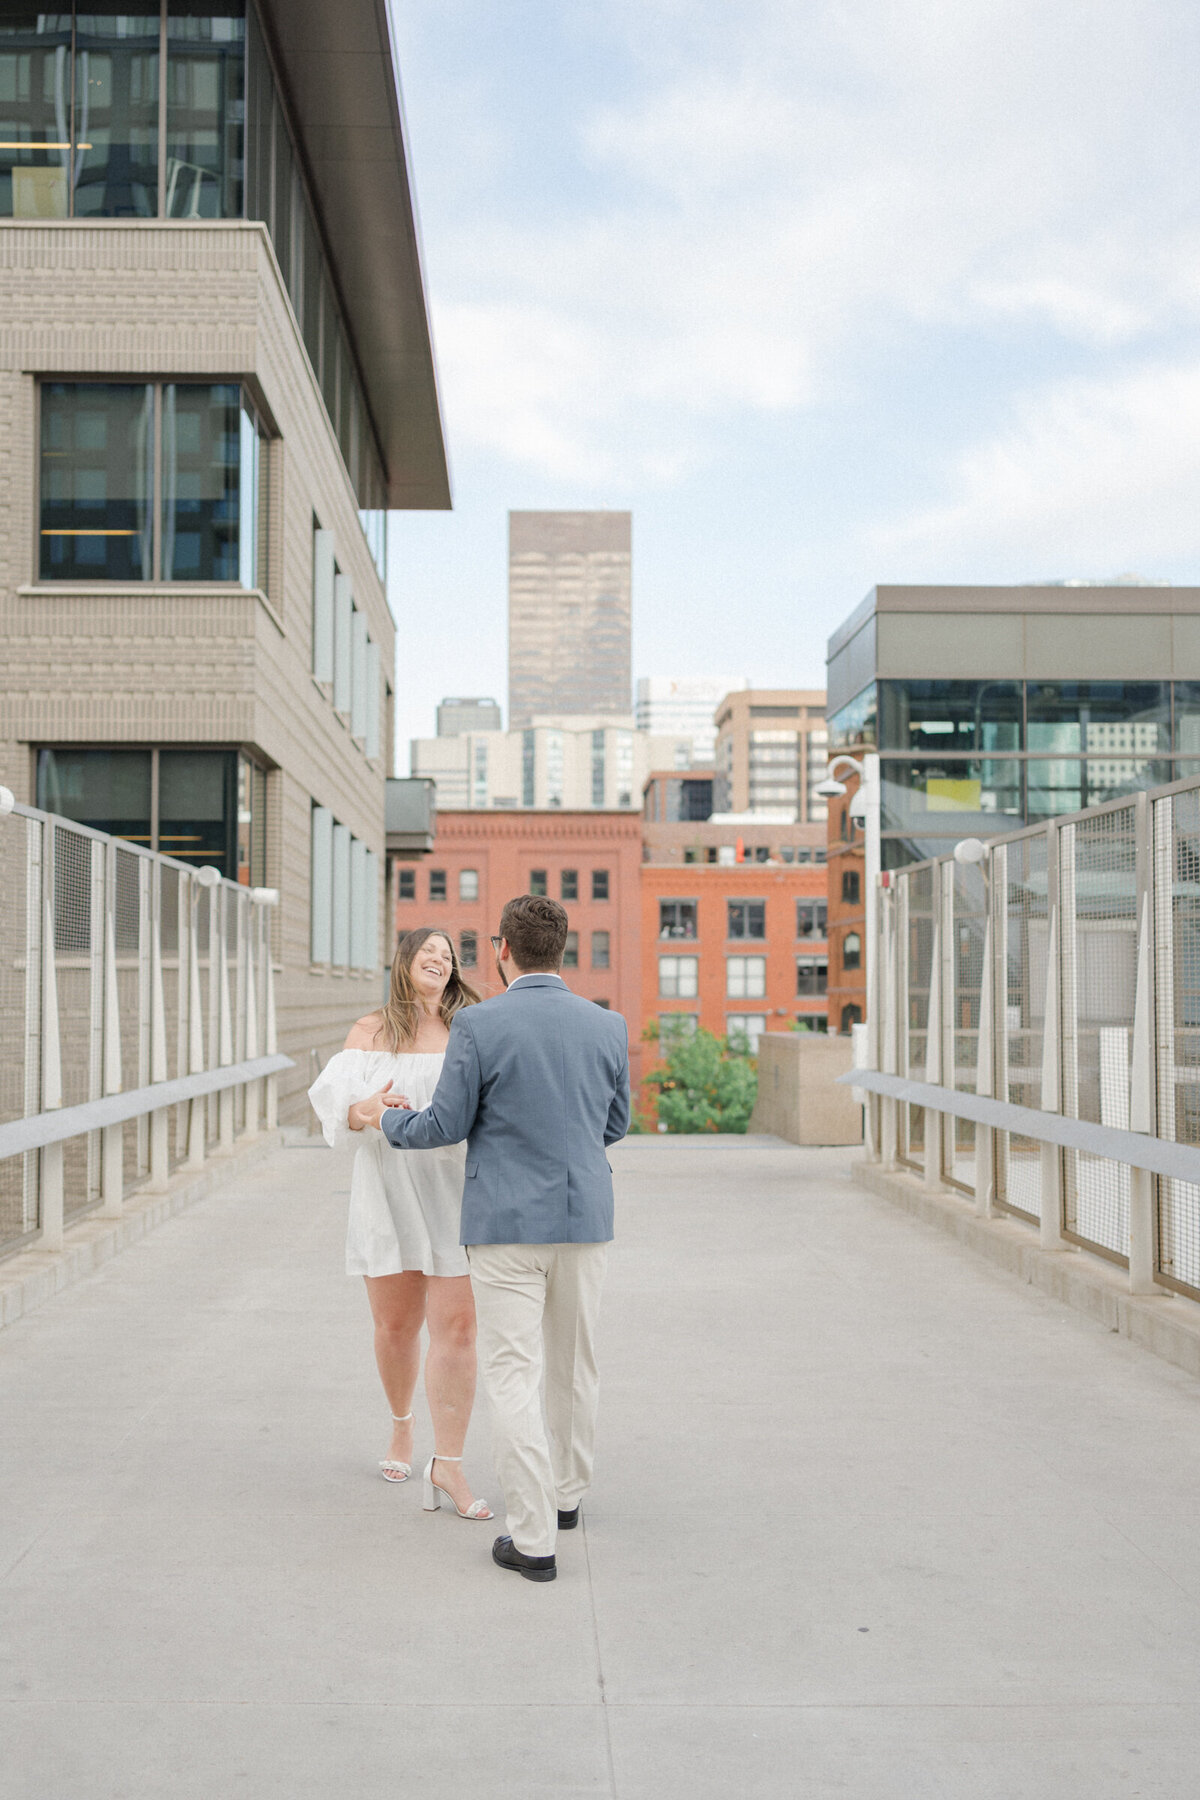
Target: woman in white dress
404 1212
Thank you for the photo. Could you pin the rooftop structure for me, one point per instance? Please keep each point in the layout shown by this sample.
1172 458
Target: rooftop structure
454 717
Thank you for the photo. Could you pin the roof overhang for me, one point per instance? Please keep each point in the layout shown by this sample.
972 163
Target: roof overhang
340 74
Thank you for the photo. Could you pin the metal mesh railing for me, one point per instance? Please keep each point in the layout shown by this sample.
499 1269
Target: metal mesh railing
964 911
916 977
1098 885
1080 942
1022 914
119 969
1177 1026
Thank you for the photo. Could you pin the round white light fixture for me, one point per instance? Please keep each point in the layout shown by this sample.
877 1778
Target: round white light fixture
7 800
208 876
265 896
970 850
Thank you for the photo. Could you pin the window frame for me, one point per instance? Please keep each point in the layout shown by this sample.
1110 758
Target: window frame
678 936
438 878
539 883
249 413
745 958
601 885
604 960
678 991
465 897
745 936
568 884
402 872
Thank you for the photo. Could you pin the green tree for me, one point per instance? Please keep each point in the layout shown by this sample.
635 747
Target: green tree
704 1083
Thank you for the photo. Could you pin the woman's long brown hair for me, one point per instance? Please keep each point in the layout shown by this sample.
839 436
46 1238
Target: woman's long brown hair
401 1015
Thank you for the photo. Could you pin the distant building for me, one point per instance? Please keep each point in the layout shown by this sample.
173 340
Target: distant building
678 826
684 706
455 717
998 707
771 753
569 609
572 763
589 861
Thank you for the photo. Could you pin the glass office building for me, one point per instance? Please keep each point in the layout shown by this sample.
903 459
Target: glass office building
977 754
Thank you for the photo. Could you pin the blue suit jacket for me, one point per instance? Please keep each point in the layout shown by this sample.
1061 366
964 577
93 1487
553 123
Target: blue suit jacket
537 1081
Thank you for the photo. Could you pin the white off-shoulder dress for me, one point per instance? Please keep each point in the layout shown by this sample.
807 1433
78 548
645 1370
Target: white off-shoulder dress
404 1204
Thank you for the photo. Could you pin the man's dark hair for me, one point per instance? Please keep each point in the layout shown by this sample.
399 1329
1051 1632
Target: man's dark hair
536 929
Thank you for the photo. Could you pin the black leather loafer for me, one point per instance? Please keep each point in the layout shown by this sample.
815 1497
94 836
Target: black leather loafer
533 1568
567 1521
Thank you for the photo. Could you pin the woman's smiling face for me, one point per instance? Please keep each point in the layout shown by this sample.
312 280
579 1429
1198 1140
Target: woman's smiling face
432 967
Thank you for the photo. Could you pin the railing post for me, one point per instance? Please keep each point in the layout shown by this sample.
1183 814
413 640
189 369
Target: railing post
195 1061
271 1046
985 1174
159 1123
1051 1219
52 1154
225 1020
31 1171
933 1042
1143 1233
253 1088
112 1175
887 987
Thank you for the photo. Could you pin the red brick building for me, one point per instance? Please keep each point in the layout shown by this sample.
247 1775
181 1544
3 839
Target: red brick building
738 948
590 861
847 995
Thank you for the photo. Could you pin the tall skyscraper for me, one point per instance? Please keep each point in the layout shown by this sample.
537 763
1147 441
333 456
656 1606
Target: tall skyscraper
568 614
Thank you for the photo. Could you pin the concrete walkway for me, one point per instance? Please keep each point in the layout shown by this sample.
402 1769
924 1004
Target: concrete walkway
871 1520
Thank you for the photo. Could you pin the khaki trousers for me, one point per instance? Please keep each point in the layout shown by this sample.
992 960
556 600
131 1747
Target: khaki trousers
536 1307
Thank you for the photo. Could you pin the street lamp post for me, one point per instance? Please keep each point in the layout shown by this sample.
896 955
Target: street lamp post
865 806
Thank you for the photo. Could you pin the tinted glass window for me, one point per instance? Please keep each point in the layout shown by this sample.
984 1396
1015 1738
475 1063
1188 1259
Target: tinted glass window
948 716
1099 718
97 481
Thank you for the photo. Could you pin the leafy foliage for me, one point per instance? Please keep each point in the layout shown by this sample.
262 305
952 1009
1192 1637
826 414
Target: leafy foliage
704 1083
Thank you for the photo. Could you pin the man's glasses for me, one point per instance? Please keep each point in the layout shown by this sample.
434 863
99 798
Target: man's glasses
496 943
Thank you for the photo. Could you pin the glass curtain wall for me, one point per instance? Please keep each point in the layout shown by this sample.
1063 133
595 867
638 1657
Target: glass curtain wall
170 109
109 448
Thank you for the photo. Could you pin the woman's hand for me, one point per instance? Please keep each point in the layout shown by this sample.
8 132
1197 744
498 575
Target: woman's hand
368 1113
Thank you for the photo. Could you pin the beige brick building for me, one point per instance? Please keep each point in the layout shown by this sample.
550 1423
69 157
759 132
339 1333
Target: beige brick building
215 376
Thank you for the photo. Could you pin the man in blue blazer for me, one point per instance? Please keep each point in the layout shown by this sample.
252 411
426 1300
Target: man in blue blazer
537 1081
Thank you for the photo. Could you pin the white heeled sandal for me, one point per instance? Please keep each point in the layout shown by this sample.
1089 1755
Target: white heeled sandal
478 1509
391 1470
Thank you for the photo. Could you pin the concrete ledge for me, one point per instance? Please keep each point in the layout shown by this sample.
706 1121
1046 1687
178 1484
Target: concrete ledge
34 1276
1166 1324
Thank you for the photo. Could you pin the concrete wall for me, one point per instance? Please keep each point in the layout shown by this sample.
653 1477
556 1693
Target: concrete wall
798 1095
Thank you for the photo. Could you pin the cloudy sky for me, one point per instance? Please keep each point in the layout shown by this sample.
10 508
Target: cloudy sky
828 292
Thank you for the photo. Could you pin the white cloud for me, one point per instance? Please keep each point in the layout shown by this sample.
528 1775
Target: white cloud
779 190
1090 476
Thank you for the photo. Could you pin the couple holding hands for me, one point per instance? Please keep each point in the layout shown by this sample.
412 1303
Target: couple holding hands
504 1109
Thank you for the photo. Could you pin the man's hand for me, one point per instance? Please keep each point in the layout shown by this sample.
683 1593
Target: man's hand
369 1112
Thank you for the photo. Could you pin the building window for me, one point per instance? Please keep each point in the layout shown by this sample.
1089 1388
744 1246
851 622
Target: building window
747 918
571 951
537 881
624 768
555 767
211 804
528 767
746 977
675 1026
468 949
479 779
85 134
745 1029
107 448
599 884
811 917
570 884
851 1015
407 885
678 977
468 884
437 884
851 887
677 919
344 896
812 974
597 768
851 950
600 953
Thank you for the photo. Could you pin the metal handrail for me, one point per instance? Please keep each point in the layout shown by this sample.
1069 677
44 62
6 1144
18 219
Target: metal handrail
65 1122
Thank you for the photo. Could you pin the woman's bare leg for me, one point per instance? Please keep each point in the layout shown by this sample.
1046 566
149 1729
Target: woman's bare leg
450 1375
398 1309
